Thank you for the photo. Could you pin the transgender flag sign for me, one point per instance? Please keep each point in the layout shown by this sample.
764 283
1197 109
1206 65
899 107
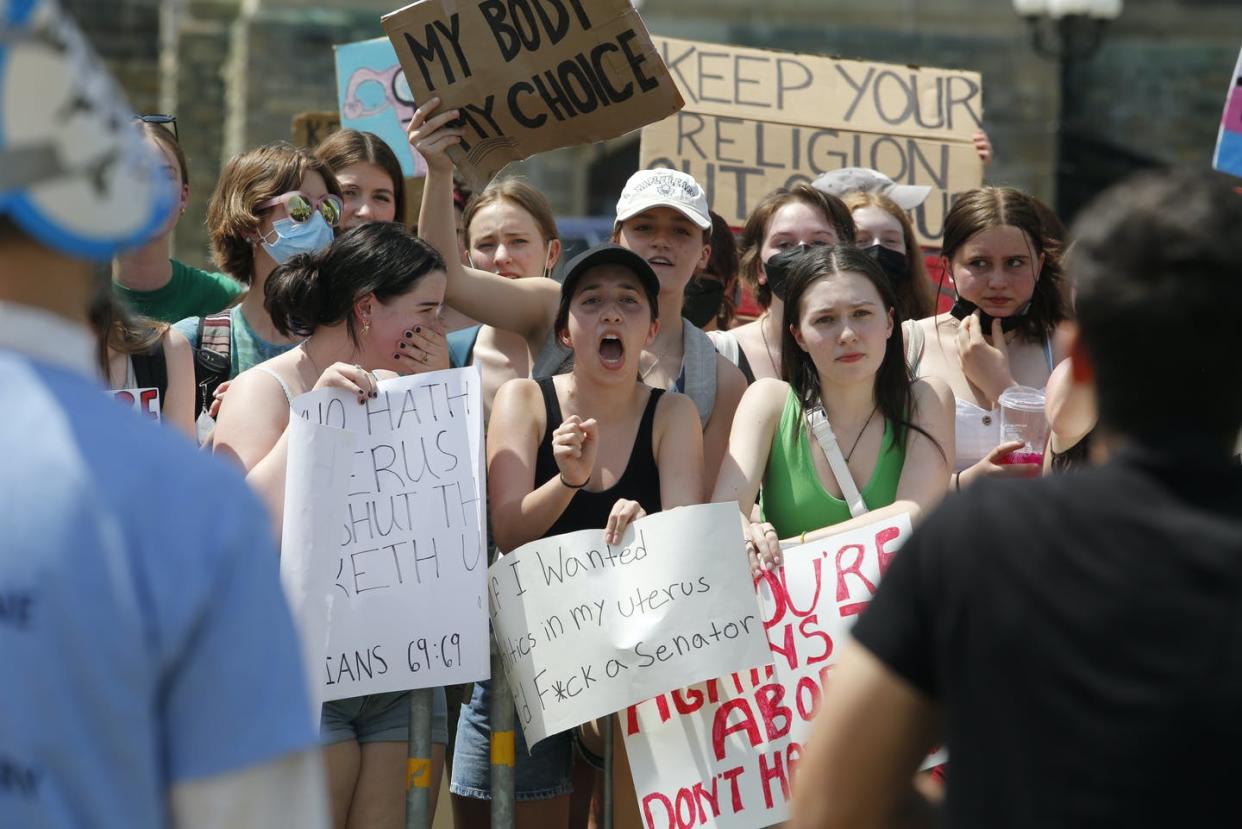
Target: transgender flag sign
1228 157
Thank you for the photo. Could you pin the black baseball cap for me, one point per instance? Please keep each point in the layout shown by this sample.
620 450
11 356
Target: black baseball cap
612 254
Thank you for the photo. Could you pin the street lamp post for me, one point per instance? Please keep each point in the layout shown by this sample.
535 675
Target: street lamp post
1069 32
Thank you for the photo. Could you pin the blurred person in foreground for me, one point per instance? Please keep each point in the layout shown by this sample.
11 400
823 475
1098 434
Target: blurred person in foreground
1073 639
160 682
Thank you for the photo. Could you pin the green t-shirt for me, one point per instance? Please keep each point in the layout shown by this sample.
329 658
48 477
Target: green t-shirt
190 293
793 499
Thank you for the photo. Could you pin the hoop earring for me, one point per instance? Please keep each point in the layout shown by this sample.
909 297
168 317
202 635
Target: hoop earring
366 327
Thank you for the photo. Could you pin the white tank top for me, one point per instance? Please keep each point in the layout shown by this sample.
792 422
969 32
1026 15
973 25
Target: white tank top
976 430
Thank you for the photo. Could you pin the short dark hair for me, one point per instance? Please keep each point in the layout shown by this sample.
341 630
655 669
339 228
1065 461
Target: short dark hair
1158 264
316 289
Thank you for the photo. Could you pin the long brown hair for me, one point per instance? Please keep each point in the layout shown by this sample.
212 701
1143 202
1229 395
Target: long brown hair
915 299
345 148
893 380
988 207
118 329
756 230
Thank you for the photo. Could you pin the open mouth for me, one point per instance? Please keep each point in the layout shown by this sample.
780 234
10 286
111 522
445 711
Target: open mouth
660 260
611 351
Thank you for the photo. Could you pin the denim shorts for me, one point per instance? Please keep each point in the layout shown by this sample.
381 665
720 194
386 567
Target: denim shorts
539 775
377 718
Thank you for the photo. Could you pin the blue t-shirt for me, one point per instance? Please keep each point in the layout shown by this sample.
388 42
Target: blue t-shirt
143 632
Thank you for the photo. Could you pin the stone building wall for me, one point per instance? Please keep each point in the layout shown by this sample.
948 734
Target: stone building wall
1153 92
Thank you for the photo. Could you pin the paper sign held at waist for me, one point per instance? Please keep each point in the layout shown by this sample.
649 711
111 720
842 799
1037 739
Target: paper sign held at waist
586 628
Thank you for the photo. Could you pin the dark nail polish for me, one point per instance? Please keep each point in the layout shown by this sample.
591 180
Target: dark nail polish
396 356
401 345
409 334
375 394
418 329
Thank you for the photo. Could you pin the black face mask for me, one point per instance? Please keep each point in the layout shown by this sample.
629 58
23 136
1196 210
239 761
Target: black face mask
963 308
702 299
895 265
779 266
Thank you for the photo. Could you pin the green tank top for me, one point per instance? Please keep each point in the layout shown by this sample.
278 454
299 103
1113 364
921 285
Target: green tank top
794 500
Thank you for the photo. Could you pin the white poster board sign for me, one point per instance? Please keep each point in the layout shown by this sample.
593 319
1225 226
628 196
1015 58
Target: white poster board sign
384 545
586 628
722 753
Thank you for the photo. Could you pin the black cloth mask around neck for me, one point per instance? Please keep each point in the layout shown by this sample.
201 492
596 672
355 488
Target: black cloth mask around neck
963 308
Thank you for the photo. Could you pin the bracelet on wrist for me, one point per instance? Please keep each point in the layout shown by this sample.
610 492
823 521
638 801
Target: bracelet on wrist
568 485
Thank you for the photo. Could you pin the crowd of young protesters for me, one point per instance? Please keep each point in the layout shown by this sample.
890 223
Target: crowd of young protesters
626 387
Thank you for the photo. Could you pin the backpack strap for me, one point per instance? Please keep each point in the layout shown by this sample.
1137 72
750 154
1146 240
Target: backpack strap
151 370
213 364
699 366
817 421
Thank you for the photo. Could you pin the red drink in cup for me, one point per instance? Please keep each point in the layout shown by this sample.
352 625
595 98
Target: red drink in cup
1023 419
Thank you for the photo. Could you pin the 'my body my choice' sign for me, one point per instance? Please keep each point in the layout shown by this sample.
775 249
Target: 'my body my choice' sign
756 120
531 75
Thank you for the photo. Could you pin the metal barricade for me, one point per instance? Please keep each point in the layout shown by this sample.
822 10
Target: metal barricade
418 778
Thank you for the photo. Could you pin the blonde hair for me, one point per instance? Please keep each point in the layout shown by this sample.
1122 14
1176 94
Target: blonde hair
915 299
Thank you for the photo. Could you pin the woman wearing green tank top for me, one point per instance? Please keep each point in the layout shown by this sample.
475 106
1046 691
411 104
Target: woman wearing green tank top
841 349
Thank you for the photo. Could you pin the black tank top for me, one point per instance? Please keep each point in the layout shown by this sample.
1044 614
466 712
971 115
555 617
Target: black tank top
639 482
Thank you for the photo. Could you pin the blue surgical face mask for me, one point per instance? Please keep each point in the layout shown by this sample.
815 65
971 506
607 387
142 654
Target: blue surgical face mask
292 238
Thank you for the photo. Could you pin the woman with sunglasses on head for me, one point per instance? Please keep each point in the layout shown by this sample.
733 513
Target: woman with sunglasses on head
843 357
784 219
592 449
1003 329
346 305
147 279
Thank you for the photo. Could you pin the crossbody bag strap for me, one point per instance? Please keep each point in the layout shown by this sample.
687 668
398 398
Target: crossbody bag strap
817 421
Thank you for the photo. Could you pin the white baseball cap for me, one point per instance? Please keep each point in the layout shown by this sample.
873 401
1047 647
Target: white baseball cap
664 188
865 180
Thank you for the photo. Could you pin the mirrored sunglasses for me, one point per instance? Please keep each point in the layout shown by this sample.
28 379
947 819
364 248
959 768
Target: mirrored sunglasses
301 207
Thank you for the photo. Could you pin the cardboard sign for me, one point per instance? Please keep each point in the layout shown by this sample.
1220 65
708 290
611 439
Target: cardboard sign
722 754
531 75
383 553
309 128
586 628
374 97
1228 157
145 402
757 120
